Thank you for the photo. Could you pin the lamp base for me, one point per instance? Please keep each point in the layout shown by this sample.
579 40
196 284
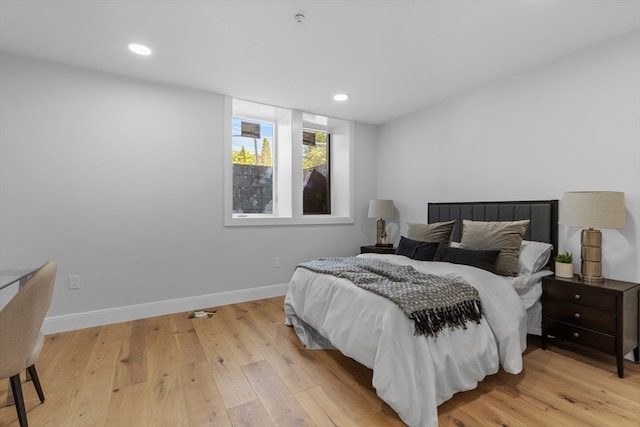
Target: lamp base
381 233
591 254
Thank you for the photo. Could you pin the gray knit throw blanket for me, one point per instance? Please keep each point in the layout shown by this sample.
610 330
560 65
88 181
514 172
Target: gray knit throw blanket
432 302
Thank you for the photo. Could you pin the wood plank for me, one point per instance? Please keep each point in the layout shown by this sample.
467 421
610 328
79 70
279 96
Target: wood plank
62 380
453 414
158 336
232 383
8 417
341 378
189 349
217 323
386 419
165 400
91 401
281 405
250 414
263 310
298 367
202 397
512 412
131 368
323 409
517 388
128 406
49 360
238 337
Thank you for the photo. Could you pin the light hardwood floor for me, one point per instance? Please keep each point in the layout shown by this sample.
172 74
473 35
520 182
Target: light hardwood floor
244 367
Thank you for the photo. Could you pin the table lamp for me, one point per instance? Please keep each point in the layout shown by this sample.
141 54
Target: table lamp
592 210
381 209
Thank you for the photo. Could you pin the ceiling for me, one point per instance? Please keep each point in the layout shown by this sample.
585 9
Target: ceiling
391 57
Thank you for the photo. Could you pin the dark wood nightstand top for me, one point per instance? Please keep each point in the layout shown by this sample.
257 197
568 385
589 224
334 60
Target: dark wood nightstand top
373 249
607 284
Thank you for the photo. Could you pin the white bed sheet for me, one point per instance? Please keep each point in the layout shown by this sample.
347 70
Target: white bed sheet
529 289
413 374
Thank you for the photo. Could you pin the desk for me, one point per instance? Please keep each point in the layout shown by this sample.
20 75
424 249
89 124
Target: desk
20 275
8 278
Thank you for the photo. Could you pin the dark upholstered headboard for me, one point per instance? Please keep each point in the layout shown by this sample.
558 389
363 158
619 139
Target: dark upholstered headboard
543 215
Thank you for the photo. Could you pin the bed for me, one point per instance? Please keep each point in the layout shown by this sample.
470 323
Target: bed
414 373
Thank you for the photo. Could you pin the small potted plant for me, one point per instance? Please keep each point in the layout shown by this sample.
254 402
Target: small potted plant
564 265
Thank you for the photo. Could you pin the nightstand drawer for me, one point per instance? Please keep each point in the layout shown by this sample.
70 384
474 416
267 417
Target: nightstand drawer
582 296
596 340
579 315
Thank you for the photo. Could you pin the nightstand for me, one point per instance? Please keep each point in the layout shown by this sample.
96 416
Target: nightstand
602 316
373 249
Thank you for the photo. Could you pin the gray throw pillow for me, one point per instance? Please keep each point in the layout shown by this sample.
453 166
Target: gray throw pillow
437 232
505 236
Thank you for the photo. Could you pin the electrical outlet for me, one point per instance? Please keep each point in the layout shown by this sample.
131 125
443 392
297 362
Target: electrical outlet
276 262
74 282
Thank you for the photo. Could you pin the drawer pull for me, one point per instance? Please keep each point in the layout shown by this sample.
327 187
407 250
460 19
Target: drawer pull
577 296
576 335
576 315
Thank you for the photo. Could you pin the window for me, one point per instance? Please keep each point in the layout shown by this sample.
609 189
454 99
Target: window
252 166
316 172
286 167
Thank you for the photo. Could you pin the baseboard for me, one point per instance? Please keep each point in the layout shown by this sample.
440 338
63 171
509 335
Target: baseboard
88 319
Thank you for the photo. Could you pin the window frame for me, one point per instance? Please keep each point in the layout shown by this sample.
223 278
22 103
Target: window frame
274 142
287 161
329 192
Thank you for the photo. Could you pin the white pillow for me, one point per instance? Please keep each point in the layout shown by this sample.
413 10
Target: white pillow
533 256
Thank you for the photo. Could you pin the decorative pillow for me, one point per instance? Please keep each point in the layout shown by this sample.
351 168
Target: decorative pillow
422 251
437 232
505 236
485 260
534 256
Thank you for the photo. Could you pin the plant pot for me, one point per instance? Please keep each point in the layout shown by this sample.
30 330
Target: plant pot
564 270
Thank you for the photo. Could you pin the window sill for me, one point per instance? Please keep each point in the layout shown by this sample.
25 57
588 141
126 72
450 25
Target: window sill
282 221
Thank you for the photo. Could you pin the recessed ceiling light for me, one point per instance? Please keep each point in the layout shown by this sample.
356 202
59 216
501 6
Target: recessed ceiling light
341 97
140 49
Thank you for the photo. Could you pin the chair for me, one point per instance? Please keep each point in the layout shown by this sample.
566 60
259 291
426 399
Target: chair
20 338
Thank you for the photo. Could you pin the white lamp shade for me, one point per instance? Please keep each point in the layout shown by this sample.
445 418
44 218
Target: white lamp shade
381 209
593 209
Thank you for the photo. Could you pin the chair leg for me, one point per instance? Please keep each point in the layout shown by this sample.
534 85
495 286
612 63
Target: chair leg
36 381
16 386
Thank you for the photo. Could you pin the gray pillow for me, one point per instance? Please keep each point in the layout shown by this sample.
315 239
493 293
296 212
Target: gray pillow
505 236
437 232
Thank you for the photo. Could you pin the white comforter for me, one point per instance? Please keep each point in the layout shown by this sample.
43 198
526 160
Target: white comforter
413 374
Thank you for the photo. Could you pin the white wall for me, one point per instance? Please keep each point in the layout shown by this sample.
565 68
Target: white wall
570 125
120 181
